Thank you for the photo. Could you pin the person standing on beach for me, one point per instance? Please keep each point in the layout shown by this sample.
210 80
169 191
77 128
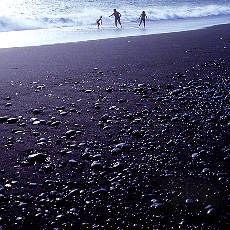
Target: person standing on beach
99 22
142 18
117 16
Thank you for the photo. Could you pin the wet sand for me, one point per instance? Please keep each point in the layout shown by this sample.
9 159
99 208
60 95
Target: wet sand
128 133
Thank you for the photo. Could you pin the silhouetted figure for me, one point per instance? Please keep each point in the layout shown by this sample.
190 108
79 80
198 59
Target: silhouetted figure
142 18
117 16
99 22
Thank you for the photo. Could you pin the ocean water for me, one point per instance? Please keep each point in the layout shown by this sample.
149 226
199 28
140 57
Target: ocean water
41 22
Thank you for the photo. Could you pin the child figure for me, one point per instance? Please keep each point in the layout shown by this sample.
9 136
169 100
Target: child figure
99 22
143 17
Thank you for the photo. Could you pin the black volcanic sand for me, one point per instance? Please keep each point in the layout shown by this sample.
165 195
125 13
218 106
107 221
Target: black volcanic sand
129 133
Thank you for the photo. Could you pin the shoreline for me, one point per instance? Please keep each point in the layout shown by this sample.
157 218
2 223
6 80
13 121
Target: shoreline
65 35
129 133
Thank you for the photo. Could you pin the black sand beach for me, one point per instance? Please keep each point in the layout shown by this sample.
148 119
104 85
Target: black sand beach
128 133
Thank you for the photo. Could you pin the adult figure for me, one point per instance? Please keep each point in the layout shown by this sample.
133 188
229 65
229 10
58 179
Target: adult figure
117 16
142 18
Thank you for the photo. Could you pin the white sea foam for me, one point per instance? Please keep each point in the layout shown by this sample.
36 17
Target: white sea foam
86 17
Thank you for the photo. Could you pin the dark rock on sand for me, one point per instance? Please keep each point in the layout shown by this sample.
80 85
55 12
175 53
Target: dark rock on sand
4 119
1 188
124 147
70 133
96 165
12 120
37 157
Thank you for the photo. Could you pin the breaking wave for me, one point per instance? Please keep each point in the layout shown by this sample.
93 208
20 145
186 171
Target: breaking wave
88 16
